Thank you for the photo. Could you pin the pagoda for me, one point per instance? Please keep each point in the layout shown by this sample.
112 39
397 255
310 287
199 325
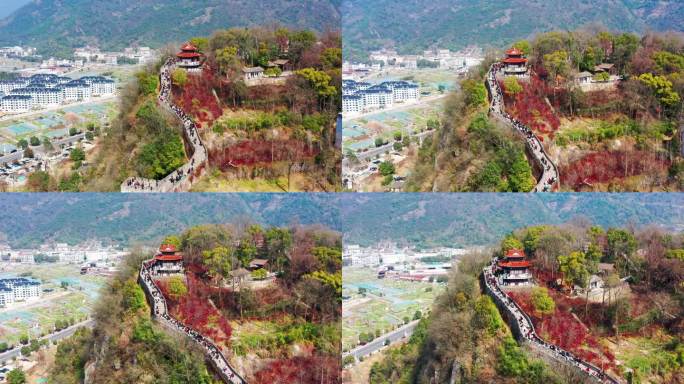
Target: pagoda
167 261
515 64
189 57
514 269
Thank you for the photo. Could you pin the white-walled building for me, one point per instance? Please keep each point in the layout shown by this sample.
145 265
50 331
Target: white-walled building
48 90
18 289
16 103
362 96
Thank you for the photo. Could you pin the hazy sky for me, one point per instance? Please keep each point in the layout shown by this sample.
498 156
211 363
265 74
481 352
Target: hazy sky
9 6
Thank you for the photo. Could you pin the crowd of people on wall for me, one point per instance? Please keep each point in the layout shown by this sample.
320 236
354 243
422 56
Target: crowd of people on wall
550 172
527 331
159 309
175 181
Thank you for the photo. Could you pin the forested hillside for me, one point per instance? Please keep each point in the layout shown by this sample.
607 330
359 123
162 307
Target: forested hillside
56 26
418 24
476 219
30 219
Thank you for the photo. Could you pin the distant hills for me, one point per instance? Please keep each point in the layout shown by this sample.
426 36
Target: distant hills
33 218
56 26
469 219
414 25
9 6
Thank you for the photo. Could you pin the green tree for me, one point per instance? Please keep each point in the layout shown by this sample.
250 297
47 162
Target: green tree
259 274
510 242
47 144
23 143
556 63
524 46
16 376
39 181
172 240
520 177
602 76
418 315
278 245
349 360
486 316
162 156
133 296
543 303
147 83
397 135
662 88
475 93
386 168
218 262
34 141
620 243
379 142
77 154
179 77
177 287
574 269
511 86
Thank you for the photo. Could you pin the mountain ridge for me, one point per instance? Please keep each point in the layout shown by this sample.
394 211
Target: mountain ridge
414 25
30 219
474 219
57 26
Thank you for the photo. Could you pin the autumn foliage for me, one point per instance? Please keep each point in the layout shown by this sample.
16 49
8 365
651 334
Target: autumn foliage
604 167
254 152
531 108
196 310
565 330
303 370
197 99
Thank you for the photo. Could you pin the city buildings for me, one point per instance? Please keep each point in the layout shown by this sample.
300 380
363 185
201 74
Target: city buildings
18 289
360 97
45 90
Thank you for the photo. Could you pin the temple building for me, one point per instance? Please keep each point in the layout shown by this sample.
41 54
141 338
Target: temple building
515 64
167 262
189 58
513 269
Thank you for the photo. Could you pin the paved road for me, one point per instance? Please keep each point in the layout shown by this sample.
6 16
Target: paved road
549 178
377 344
64 333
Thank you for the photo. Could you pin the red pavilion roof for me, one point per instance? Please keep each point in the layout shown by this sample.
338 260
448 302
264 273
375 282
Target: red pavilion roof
188 47
514 52
515 254
514 264
166 248
188 55
169 257
515 60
